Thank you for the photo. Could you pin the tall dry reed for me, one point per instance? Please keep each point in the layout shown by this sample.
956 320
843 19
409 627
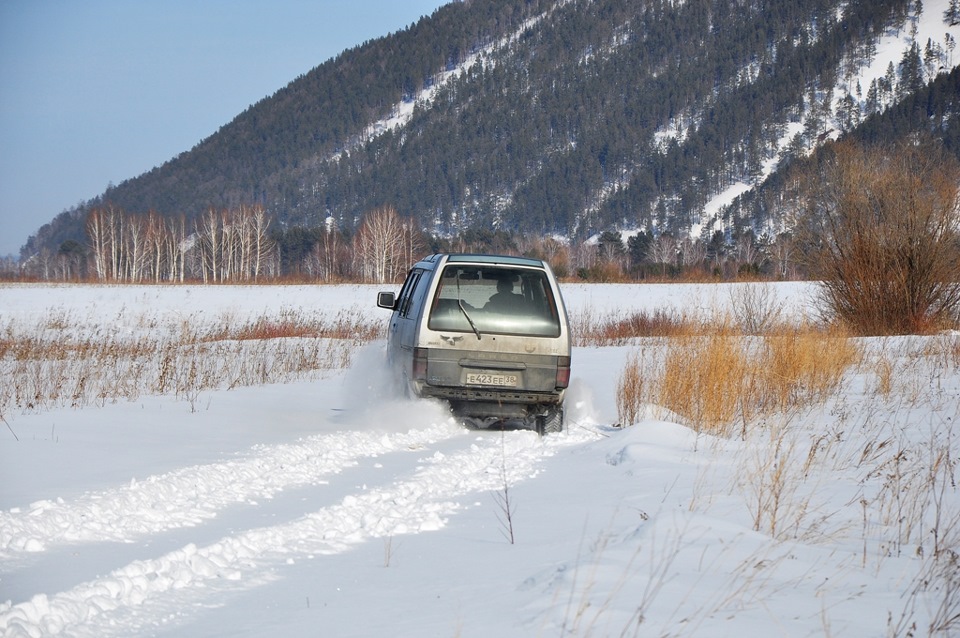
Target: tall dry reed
718 380
704 379
803 365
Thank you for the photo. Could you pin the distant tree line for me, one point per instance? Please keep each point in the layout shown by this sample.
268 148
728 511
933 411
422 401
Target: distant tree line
247 245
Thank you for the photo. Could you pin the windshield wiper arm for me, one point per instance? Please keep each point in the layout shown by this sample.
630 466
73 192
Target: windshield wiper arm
464 310
465 314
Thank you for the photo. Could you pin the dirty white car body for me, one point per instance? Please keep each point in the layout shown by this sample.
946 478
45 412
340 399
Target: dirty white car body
488 334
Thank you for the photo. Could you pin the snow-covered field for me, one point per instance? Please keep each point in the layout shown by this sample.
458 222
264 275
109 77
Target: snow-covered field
319 506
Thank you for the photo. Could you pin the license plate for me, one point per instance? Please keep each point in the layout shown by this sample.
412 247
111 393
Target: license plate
490 378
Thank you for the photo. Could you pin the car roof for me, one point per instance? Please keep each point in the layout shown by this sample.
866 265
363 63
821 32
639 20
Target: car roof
507 260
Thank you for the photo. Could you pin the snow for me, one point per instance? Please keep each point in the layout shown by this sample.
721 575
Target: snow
324 506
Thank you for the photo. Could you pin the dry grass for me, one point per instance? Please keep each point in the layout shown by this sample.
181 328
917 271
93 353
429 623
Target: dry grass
814 405
58 364
590 330
754 309
704 379
944 349
714 381
719 380
804 366
345 325
631 393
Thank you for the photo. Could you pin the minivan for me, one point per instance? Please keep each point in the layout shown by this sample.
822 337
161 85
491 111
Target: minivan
488 334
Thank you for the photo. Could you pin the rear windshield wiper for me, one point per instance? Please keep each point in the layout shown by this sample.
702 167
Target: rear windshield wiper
464 310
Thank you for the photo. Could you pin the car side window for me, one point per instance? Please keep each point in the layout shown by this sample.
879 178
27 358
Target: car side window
417 290
403 299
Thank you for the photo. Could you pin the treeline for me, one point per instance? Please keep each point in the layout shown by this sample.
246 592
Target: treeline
247 245
242 245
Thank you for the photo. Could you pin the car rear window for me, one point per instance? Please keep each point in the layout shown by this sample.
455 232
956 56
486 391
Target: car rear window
496 299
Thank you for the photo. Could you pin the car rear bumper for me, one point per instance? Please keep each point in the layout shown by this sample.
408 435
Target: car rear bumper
488 402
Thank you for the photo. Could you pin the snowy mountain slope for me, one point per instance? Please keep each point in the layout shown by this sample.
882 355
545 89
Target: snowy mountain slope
552 117
852 83
308 507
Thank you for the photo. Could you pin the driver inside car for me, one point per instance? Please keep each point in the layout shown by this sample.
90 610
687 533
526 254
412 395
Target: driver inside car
505 300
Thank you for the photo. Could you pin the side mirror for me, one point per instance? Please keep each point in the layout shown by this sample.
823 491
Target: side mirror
386 300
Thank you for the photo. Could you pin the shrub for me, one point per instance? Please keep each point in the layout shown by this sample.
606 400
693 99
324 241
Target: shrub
879 225
589 329
756 308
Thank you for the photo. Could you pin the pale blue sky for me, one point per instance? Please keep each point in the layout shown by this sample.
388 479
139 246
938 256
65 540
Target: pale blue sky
94 92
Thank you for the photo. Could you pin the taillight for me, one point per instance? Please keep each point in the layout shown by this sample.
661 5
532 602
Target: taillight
419 364
563 372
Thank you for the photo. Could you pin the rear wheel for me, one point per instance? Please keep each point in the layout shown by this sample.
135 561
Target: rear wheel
550 422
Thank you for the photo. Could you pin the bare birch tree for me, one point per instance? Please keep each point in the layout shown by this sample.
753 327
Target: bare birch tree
330 258
263 245
115 241
97 236
208 245
134 239
176 246
156 253
380 244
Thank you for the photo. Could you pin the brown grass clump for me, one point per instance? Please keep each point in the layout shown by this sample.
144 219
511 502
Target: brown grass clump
717 380
945 349
884 370
658 323
803 365
754 310
704 379
345 325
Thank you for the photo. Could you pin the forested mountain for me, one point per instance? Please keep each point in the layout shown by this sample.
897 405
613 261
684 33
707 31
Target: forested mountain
567 117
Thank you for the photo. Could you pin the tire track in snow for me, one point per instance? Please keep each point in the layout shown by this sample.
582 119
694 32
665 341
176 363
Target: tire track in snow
142 594
192 495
